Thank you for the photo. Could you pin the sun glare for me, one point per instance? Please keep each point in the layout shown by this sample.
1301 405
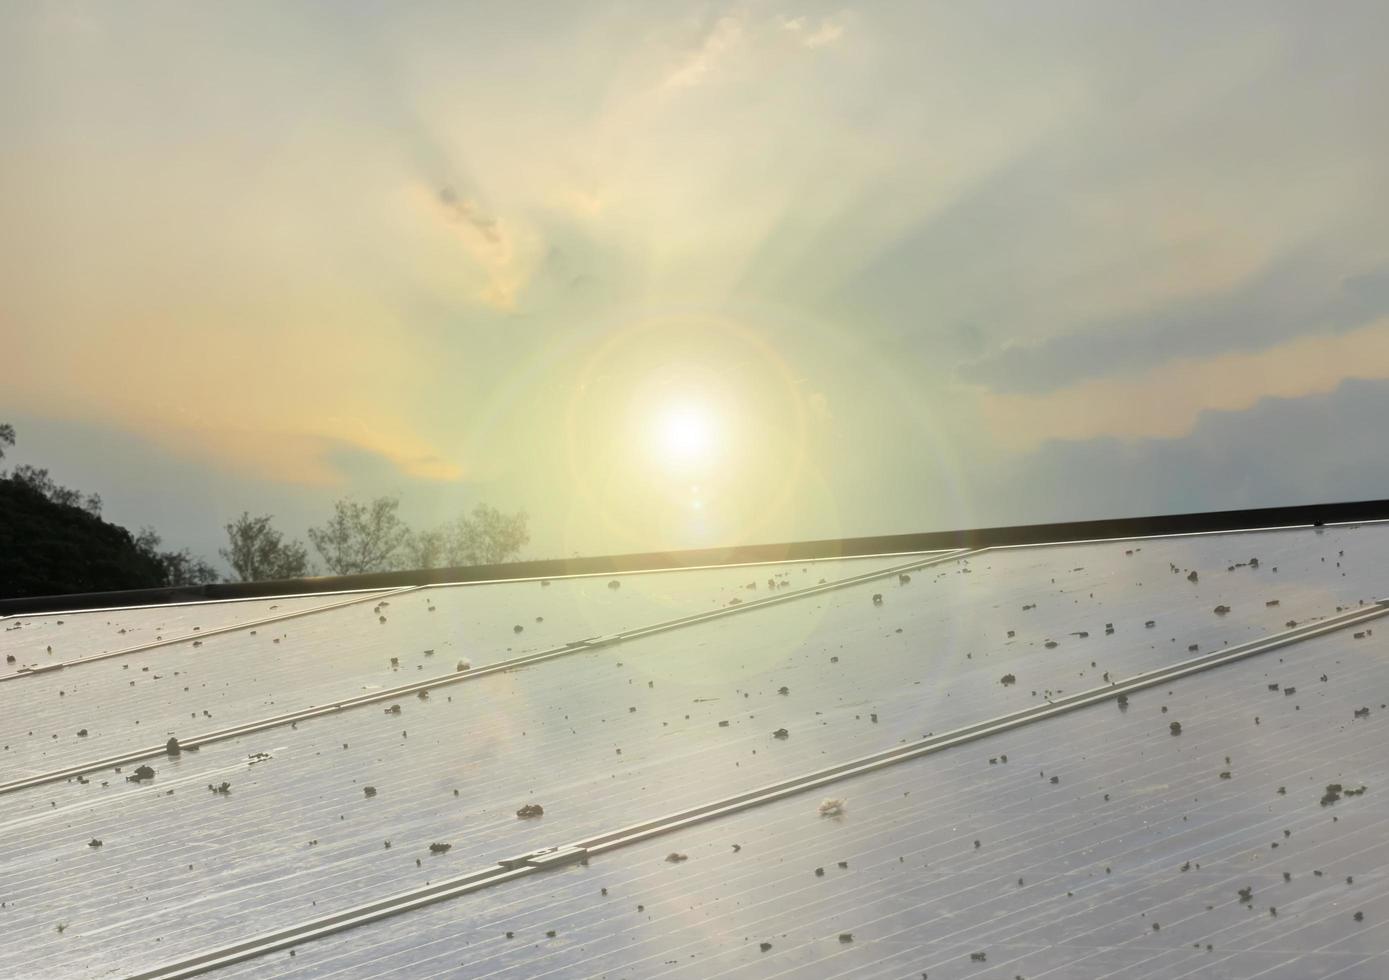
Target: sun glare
685 435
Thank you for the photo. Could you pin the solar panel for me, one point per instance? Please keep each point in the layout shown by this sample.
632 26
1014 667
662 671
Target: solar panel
361 645
646 724
1106 846
44 640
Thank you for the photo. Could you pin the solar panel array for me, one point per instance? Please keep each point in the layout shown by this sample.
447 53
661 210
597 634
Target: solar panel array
341 793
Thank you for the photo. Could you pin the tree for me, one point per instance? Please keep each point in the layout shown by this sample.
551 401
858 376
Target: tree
52 540
40 482
422 549
257 552
485 537
47 548
361 537
180 567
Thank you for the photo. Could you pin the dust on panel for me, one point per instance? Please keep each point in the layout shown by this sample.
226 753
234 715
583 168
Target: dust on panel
324 658
1097 844
207 684
49 638
605 738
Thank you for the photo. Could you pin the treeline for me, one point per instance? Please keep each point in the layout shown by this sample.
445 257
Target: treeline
53 540
371 537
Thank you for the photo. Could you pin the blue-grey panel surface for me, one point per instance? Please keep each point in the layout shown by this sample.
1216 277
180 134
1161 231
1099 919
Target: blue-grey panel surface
1131 864
237 677
605 737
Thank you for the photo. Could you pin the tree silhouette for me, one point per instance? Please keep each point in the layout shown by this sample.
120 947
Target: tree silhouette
361 537
257 552
423 549
180 567
49 548
371 537
38 480
485 537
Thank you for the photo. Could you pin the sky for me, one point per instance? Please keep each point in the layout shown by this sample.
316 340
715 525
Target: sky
671 275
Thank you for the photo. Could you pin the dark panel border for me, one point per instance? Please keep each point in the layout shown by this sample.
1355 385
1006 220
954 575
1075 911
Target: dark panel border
1058 533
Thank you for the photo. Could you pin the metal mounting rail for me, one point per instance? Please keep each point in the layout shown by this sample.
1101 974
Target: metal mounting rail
203 634
195 742
510 869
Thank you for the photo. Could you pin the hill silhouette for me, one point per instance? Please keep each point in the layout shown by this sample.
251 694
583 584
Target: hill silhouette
48 548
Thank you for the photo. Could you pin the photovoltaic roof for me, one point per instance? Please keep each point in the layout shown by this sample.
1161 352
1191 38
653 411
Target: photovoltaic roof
1019 697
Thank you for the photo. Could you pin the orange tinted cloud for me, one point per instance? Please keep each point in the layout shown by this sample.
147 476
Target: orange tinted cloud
1166 401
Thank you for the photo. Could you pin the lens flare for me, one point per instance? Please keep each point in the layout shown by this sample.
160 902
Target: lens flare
685 436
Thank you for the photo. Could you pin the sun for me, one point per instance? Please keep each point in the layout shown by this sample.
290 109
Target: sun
685 435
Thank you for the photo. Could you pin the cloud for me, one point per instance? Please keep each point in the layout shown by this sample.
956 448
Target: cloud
505 262
468 212
1168 400
738 32
328 457
1325 447
828 31
725 35
1286 299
